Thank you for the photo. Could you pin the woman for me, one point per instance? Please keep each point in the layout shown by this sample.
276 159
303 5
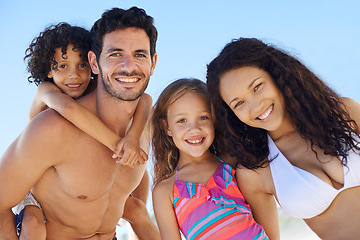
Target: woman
295 139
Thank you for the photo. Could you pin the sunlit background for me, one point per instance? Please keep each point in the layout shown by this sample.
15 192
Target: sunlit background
323 34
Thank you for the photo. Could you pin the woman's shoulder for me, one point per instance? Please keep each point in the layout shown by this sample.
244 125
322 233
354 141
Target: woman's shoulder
259 180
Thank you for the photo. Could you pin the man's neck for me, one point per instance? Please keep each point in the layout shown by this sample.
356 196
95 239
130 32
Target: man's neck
115 113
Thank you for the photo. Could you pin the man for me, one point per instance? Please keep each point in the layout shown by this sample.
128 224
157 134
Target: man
81 189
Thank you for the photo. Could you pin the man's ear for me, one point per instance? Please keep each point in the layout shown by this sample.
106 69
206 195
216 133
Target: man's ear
165 125
153 64
93 63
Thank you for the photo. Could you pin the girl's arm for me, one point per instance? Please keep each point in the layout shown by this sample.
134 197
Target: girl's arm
164 212
130 144
262 203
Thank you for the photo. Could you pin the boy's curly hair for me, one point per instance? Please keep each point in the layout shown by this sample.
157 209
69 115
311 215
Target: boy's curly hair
40 54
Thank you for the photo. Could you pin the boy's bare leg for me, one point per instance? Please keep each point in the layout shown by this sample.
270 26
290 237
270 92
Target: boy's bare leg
136 214
142 190
33 225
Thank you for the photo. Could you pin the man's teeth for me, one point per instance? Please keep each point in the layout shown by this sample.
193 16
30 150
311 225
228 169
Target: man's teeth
127 80
267 113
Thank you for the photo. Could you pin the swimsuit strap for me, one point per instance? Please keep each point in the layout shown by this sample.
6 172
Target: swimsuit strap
176 173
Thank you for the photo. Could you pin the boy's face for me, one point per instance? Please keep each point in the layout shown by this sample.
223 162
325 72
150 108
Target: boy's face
72 74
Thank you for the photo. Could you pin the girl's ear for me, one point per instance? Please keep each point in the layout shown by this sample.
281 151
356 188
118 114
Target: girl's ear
50 75
93 62
166 127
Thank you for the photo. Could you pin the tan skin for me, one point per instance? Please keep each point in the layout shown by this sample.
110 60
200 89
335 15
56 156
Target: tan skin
249 92
81 188
71 79
196 164
188 119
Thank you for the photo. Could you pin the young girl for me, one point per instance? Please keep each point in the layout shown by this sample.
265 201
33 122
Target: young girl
297 139
195 191
57 62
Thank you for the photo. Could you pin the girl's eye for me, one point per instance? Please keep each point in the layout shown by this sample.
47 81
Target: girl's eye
62 66
204 118
181 121
257 87
83 65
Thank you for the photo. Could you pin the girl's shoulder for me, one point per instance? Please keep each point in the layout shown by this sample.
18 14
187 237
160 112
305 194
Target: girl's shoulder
165 187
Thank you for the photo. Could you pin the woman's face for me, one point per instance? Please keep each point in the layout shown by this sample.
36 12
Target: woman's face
252 95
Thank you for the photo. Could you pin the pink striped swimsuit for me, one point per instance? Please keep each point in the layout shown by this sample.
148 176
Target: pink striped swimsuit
215 209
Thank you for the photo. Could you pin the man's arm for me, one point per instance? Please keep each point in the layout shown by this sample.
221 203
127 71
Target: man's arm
23 164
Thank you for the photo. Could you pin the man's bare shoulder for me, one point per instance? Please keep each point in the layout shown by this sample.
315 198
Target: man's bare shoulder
47 132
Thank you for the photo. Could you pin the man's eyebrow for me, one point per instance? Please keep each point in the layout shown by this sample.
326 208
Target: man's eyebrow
110 50
142 51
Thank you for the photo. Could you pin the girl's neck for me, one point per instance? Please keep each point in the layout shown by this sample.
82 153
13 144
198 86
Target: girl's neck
185 159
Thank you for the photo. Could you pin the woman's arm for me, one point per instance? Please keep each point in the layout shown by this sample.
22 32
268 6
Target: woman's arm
353 109
130 144
48 94
164 212
261 201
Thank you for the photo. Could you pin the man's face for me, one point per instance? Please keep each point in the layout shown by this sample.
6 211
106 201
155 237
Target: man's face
125 64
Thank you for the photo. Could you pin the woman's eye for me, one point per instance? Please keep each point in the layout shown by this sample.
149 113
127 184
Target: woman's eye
238 104
257 87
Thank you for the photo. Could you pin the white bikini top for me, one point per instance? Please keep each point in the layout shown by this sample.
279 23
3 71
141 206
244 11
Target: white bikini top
301 194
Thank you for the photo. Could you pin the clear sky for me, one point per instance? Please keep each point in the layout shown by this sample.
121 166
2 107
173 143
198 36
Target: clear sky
324 34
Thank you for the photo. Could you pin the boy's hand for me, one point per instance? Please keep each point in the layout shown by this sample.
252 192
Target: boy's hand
129 153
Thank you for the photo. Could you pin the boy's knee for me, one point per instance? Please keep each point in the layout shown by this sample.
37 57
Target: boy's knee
33 226
136 211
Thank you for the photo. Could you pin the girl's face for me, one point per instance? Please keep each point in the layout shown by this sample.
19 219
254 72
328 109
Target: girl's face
190 125
72 75
252 95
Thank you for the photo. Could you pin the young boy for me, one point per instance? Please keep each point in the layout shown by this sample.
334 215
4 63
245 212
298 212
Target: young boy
58 65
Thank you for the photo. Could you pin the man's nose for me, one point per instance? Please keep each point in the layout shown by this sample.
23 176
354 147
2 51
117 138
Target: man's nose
128 63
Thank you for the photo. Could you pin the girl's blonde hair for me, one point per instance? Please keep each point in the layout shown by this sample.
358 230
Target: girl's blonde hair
165 153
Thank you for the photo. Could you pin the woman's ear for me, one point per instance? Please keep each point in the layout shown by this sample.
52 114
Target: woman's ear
166 127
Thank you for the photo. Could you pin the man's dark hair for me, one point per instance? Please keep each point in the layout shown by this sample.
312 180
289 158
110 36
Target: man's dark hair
117 18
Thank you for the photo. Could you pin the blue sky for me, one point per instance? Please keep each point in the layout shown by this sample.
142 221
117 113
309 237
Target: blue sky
323 34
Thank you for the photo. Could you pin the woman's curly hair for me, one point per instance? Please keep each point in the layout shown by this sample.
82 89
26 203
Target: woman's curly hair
317 112
165 153
40 54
